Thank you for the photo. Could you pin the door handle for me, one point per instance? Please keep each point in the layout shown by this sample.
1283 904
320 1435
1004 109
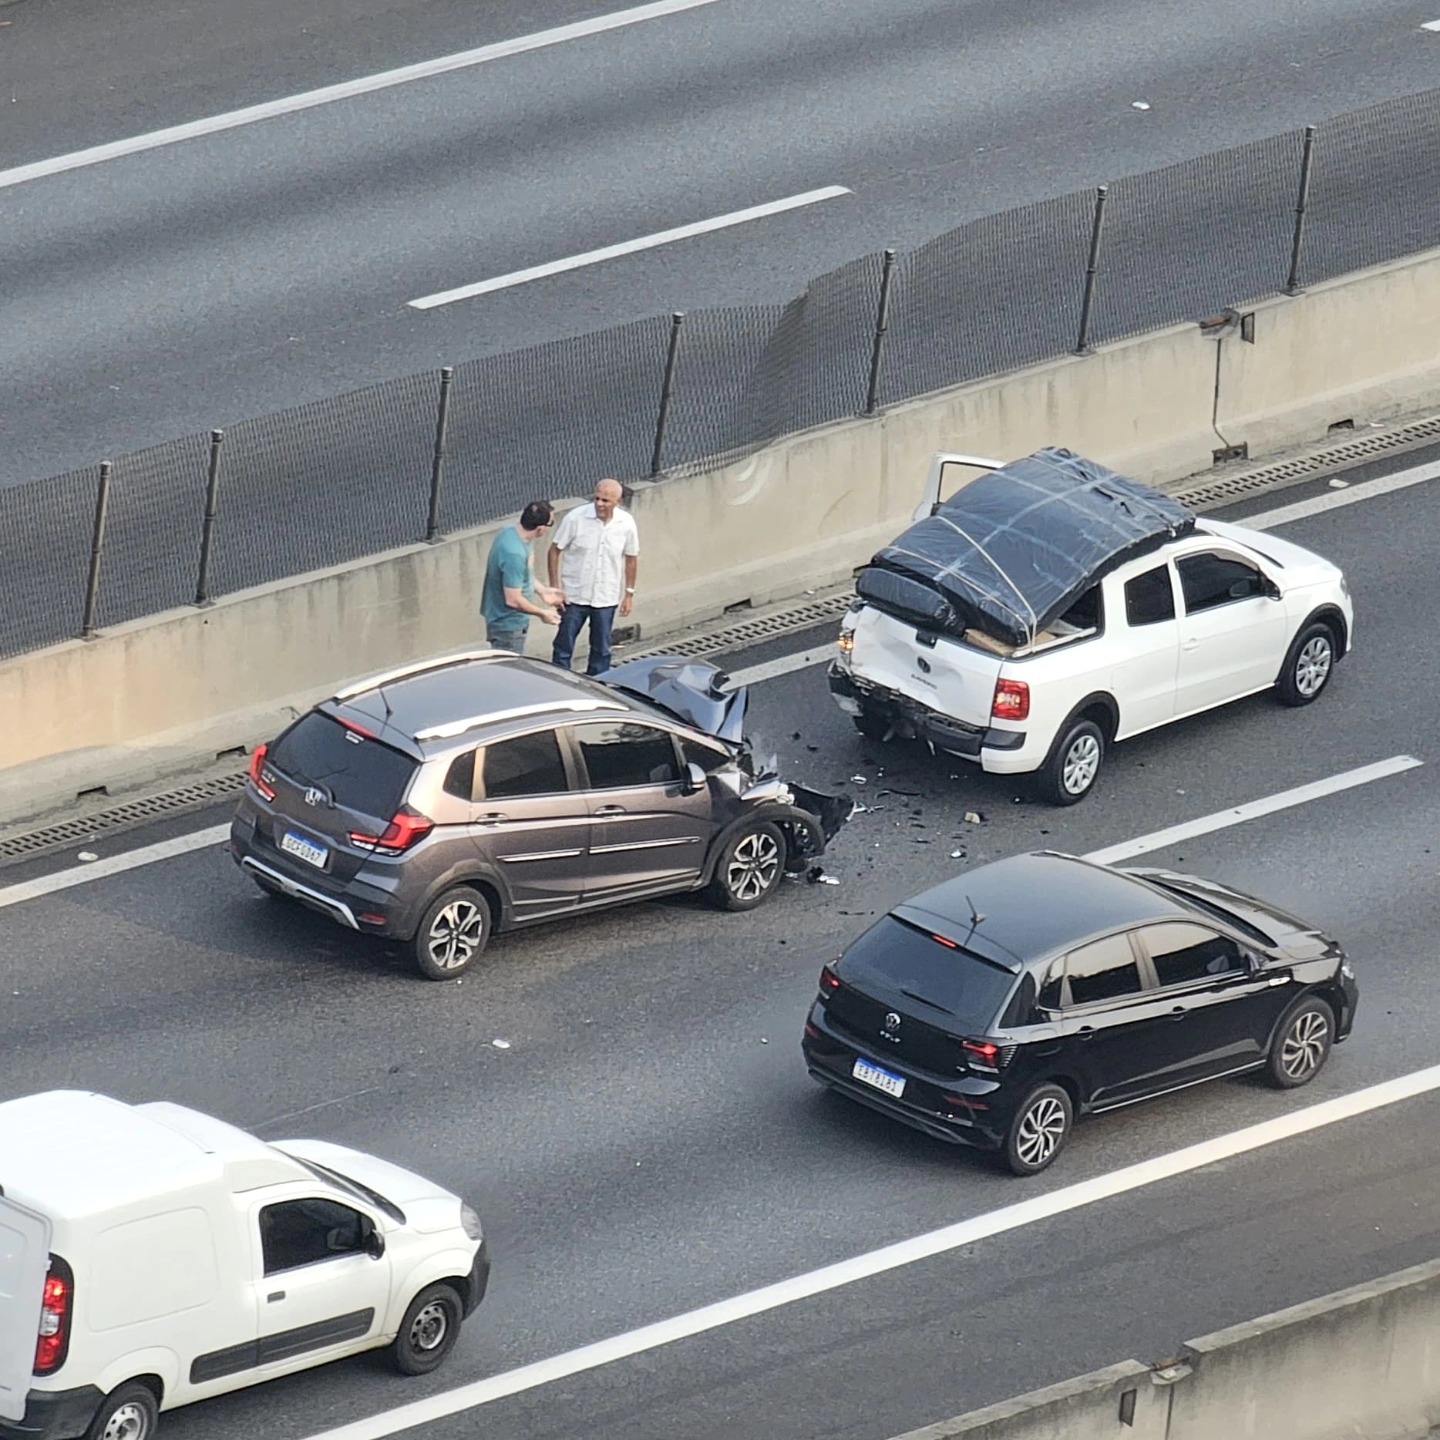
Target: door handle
611 810
1087 1032
1191 645
1178 1013
490 817
273 1296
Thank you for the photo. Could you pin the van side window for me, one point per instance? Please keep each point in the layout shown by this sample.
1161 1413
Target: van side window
300 1232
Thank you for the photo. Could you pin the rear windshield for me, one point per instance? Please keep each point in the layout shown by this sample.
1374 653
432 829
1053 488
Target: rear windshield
903 958
362 774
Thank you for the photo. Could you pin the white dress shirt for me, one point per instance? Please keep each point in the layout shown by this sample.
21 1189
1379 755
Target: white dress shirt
592 555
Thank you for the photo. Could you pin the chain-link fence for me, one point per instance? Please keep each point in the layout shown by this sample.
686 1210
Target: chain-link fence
409 459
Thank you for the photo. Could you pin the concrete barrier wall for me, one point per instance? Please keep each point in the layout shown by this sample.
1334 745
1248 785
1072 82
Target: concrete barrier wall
1363 1361
803 513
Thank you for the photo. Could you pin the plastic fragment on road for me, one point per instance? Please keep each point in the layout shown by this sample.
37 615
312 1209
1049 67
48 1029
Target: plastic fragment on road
87 856
501 1044
974 817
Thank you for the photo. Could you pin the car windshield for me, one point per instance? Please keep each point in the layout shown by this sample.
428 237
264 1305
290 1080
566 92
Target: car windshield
360 773
355 1187
900 957
1229 913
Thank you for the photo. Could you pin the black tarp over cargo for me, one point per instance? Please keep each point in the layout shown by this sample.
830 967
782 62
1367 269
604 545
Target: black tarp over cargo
1013 550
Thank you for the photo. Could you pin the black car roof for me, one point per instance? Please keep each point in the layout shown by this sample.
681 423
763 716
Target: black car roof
1035 905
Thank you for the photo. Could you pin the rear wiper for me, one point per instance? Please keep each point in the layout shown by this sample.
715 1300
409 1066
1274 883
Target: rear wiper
925 1000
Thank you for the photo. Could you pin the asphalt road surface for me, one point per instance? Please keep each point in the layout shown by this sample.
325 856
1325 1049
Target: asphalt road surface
203 282
649 1142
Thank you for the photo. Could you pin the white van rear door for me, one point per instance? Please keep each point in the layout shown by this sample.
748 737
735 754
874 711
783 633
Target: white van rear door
24 1263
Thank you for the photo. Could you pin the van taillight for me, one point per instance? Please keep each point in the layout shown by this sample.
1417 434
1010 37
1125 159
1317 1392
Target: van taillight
829 981
982 1054
56 1306
1012 700
257 772
401 833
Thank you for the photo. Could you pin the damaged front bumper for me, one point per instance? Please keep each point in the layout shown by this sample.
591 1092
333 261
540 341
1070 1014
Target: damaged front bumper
809 819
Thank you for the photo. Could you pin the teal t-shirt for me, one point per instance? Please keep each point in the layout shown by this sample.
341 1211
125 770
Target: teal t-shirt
507 568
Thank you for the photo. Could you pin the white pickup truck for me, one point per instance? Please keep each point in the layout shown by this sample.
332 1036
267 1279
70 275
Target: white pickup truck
1050 607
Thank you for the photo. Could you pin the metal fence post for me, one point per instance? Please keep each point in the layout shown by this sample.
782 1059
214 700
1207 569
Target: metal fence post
1097 229
1292 282
882 322
437 463
97 545
676 320
212 491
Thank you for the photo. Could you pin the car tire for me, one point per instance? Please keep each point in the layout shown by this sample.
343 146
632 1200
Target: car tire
1074 762
749 868
1039 1130
453 931
128 1412
871 726
1309 664
428 1331
1302 1044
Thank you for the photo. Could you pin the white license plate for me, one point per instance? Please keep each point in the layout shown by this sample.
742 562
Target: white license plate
307 850
880 1079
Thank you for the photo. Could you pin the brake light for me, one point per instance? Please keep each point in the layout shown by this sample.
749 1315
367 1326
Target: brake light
356 729
56 1307
945 940
401 833
981 1054
1012 700
829 980
257 772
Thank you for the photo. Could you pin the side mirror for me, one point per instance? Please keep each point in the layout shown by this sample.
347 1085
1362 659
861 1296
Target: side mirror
694 780
372 1242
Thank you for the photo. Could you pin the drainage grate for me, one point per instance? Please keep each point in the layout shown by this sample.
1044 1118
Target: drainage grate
752 632
1305 467
121 817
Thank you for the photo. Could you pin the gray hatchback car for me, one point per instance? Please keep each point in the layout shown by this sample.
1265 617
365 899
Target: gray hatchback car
484 791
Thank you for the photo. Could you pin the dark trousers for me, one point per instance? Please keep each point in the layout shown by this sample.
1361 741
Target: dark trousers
572 622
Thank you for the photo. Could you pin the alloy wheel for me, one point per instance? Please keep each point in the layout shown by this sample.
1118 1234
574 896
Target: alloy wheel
456 935
129 1422
752 866
428 1329
1312 665
1041 1131
1082 760
1303 1049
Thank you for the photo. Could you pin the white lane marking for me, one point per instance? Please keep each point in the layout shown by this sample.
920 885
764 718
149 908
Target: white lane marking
114 865
1338 499
1221 819
347 90
629 247
785 665
889 1257
1431 25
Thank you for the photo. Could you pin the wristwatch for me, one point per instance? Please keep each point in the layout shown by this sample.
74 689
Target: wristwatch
629 589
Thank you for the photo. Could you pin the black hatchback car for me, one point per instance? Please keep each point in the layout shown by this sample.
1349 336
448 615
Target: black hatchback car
995 1008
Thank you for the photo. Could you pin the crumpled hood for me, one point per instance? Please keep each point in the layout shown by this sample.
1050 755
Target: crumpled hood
428 1207
692 690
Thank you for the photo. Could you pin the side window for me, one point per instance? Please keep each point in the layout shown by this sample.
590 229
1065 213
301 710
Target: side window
1052 988
300 1232
1182 953
1103 970
707 757
1085 612
460 778
526 765
1150 598
621 754
1211 580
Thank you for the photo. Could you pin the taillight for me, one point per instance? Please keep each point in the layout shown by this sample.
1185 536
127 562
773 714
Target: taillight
257 772
981 1054
1012 700
401 833
56 1307
829 980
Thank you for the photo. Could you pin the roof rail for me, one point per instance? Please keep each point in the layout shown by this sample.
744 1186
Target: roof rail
417 667
458 727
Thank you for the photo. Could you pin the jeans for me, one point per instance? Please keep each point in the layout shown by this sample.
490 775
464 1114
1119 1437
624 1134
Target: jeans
508 639
572 621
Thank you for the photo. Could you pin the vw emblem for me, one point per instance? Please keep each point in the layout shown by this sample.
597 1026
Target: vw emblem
890 1028
923 664
314 795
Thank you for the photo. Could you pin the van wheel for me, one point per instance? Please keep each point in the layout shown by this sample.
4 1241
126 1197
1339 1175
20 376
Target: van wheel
750 867
453 931
428 1332
1308 666
1070 770
129 1412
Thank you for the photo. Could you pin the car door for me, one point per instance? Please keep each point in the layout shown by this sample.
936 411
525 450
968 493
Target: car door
528 821
323 1287
1222 1004
1232 632
649 827
1147 651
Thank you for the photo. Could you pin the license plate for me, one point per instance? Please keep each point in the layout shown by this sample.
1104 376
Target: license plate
307 850
880 1079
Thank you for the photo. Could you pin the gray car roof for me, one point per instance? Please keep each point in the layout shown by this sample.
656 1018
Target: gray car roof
1036 905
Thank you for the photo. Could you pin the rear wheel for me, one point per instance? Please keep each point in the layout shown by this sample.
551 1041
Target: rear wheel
1302 1044
1073 764
428 1332
129 1412
453 931
1309 664
1039 1130
750 867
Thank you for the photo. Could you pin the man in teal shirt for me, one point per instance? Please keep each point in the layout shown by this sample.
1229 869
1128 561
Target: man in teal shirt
511 596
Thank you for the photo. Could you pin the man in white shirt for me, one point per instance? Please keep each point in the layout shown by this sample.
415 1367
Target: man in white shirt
593 560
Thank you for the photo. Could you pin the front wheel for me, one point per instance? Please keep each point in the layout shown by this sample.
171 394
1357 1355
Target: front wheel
1074 762
1308 666
750 867
1302 1044
453 931
129 1412
1039 1130
428 1332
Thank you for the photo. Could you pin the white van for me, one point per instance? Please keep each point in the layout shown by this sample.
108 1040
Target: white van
151 1256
